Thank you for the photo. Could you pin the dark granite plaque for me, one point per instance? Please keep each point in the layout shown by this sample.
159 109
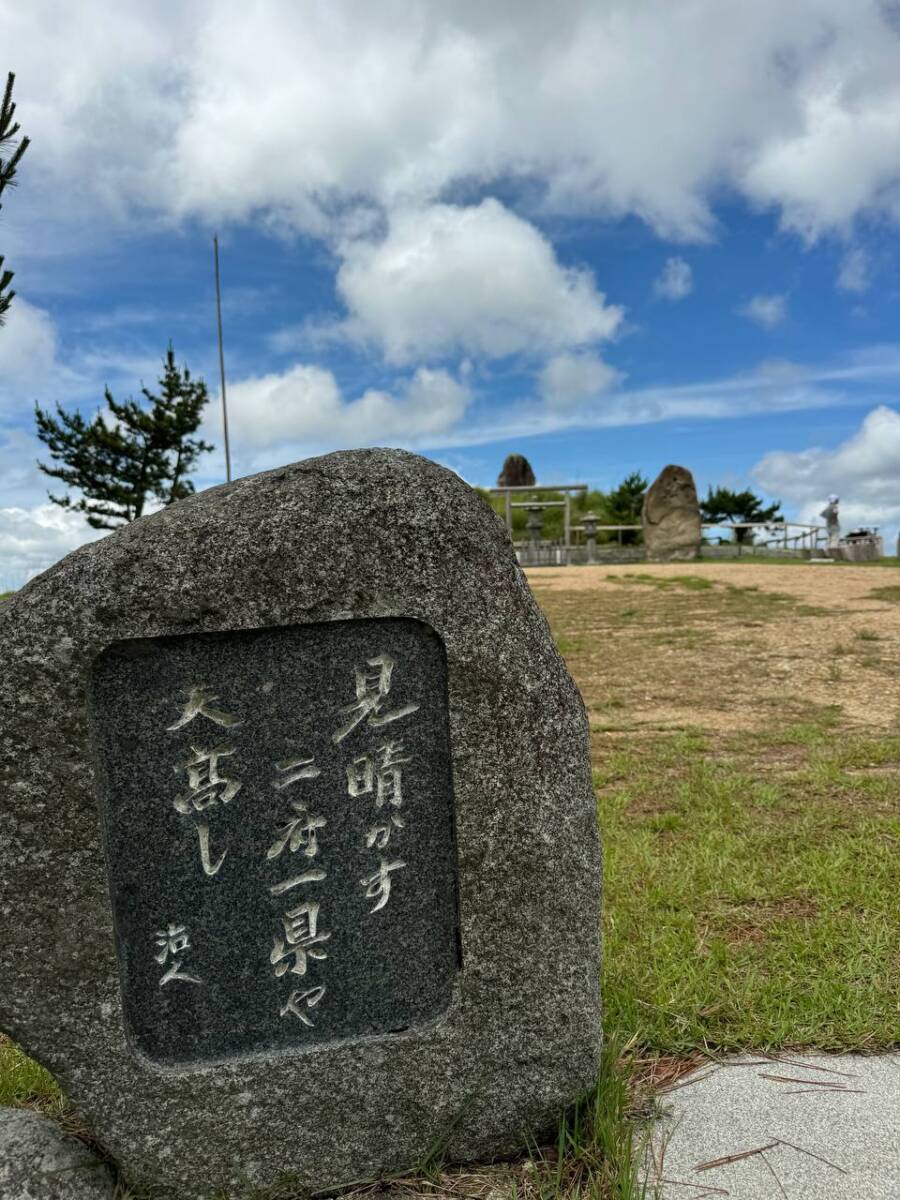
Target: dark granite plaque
278 811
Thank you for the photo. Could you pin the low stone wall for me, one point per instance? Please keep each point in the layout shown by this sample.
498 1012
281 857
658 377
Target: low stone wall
735 551
556 556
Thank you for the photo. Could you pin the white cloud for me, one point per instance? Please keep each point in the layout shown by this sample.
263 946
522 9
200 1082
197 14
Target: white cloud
32 539
854 273
476 280
863 471
27 347
322 114
675 281
302 410
33 368
571 379
838 160
767 311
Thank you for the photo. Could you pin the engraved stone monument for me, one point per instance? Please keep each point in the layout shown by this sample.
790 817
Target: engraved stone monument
299 872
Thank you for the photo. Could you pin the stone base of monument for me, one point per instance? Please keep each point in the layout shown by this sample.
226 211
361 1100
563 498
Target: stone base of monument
299 866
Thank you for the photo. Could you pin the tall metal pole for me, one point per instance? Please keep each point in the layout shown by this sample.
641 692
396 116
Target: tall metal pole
222 362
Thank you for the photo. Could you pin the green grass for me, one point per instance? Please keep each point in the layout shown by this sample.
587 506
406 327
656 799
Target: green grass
693 583
746 909
23 1082
886 593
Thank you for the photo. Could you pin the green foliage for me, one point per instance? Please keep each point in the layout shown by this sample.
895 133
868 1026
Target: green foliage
623 505
8 131
128 454
724 505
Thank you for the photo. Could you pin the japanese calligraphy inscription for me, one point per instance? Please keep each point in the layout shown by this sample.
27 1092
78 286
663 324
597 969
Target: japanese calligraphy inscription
278 814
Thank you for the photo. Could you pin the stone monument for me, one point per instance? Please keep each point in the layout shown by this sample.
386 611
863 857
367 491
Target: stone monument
299 873
516 472
671 517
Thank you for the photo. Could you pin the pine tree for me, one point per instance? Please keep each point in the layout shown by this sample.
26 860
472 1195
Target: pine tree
726 506
128 454
8 131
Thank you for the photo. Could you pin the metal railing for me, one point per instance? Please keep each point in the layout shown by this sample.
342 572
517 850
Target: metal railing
580 541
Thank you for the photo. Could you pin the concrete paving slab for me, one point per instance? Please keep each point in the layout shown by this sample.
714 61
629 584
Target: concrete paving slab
817 1127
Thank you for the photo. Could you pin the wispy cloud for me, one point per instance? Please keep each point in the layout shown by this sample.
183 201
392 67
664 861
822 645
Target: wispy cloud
675 280
854 274
768 311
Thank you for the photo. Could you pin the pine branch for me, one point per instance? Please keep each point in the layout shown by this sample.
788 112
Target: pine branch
136 452
8 130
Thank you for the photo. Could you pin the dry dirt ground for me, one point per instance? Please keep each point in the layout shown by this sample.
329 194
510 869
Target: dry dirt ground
728 646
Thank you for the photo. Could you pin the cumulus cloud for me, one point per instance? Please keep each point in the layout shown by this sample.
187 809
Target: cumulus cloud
278 416
863 471
571 379
476 280
837 162
767 311
675 281
854 273
323 115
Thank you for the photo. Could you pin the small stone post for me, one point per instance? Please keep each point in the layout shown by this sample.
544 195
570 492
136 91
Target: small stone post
534 525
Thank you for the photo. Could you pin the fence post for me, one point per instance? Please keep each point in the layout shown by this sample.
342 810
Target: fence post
589 521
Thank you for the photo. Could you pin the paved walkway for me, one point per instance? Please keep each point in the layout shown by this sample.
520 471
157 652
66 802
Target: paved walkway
802 1128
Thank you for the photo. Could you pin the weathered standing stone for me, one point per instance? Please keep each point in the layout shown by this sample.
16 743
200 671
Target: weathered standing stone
38 1161
300 870
671 517
516 472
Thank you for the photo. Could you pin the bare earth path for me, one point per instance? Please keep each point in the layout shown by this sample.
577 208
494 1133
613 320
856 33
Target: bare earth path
720 645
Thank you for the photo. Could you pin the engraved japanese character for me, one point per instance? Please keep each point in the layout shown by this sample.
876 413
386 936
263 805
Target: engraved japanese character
378 886
208 867
197 704
364 773
294 769
205 780
303 831
314 876
173 941
312 996
380 833
301 939
372 688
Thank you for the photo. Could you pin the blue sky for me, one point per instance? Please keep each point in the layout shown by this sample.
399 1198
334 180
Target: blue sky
608 236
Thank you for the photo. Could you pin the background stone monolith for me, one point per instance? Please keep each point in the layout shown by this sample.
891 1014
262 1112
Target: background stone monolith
671 517
517 472
300 874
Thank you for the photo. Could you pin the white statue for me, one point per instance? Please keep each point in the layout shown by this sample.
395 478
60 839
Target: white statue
830 515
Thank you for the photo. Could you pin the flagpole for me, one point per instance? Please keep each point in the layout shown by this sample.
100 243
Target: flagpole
222 361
